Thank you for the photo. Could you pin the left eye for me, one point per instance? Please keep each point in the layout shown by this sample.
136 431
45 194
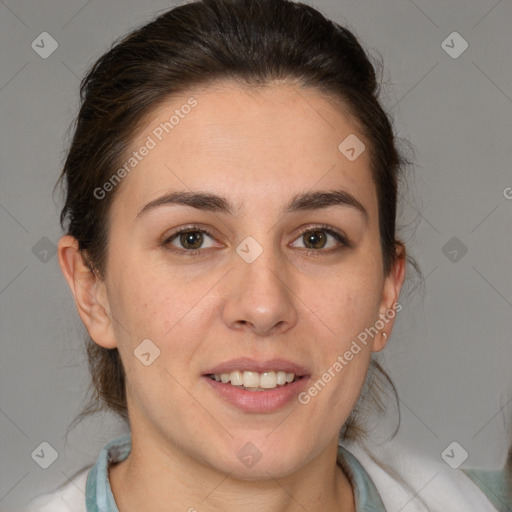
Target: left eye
316 239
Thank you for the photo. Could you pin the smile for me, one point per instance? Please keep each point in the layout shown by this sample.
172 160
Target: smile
255 381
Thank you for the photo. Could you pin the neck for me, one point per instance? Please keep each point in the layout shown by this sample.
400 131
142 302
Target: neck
160 479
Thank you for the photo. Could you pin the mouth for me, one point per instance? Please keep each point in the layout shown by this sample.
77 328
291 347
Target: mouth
257 386
256 381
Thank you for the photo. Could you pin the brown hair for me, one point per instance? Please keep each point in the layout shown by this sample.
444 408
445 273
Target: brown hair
253 42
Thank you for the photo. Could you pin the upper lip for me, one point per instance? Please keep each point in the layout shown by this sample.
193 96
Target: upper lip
252 365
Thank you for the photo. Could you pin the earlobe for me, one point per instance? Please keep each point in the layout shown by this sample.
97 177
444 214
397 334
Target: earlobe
390 294
88 290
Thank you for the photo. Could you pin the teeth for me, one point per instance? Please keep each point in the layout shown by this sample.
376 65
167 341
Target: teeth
236 378
268 380
254 380
250 379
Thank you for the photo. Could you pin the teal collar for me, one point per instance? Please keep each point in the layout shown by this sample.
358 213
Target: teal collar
98 494
99 497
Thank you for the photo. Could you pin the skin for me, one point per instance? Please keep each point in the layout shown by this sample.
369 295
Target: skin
257 149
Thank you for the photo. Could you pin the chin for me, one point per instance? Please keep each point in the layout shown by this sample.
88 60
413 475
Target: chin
259 459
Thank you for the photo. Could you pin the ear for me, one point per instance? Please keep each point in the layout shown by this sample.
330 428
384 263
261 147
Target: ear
389 305
89 291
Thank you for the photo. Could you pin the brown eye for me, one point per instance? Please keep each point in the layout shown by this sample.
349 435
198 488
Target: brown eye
191 239
317 239
188 241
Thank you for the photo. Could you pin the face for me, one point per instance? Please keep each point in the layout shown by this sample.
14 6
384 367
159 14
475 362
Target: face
276 271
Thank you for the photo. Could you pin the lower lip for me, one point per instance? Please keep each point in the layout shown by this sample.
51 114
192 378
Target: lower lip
258 401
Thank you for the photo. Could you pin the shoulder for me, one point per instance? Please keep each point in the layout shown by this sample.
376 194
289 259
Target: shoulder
69 497
407 479
496 484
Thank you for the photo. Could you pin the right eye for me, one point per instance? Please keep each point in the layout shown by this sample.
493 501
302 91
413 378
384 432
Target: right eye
190 238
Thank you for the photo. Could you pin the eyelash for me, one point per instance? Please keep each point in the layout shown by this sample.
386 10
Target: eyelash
309 252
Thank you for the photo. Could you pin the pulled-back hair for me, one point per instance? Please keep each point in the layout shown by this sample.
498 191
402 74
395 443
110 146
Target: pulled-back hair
253 42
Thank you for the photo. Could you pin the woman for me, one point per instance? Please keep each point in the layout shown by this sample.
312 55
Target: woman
231 249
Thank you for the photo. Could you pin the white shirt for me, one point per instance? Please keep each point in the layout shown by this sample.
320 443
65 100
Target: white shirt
441 488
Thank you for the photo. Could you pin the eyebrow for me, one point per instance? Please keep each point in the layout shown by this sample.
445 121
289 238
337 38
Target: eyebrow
306 201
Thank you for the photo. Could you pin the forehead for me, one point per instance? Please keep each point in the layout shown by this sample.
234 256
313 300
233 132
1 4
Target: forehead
268 143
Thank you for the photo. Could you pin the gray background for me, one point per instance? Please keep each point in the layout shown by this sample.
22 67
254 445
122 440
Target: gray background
450 352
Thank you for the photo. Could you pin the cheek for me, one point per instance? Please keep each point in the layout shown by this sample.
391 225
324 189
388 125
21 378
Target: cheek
143 296
157 304
345 309
348 303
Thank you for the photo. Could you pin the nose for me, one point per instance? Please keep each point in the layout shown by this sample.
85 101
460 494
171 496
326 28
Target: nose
259 299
